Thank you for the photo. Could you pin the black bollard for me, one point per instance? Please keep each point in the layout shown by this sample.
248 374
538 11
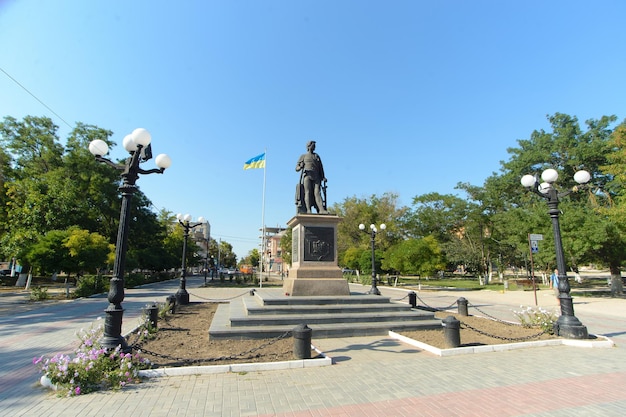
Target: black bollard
452 331
152 313
302 341
413 299
171 301
462 304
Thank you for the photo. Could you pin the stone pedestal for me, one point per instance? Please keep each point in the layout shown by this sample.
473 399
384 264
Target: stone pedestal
314 270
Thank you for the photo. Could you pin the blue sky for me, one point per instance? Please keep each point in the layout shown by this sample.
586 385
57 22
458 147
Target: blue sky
407 96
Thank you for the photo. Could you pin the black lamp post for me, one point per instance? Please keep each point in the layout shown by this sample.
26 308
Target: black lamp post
207 242
138 145
206 264
182 296
373 230
567 324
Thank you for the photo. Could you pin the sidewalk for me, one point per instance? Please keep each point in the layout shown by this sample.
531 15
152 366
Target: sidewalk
372 376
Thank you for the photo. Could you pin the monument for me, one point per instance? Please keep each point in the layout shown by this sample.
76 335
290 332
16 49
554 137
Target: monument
314 270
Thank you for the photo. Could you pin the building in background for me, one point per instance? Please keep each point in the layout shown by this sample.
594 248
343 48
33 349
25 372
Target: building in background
271 254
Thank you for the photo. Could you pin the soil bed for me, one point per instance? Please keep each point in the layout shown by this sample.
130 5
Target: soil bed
182 339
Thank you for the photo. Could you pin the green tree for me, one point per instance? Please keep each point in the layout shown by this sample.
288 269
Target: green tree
34 144
615 209
88 251
285 247
415 257
566 148
33 206
72 251
351 258
97 207
457 225
228 259
374 210
49 187
365 261
49 254
253 258
5 176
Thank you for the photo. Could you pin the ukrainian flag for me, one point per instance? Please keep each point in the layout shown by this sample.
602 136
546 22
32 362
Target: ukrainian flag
256 162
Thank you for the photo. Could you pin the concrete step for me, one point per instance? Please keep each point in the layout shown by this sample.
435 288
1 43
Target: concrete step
254 307
325 318
272 298
269 314
321 331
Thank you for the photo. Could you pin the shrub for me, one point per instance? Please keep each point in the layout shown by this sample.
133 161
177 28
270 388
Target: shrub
90 285
93 367
537 317
39 294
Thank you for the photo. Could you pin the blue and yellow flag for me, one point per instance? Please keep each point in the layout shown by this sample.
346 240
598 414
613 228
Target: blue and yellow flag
256 162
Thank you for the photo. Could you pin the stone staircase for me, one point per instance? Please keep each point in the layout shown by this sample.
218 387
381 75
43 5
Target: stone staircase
267 313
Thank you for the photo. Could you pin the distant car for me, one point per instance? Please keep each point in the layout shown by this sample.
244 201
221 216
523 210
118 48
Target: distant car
5 272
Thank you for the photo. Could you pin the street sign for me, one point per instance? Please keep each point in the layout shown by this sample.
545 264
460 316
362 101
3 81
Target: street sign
536 237
534 247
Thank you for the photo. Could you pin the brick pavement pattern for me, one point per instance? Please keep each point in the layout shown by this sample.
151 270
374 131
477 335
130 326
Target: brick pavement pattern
372 376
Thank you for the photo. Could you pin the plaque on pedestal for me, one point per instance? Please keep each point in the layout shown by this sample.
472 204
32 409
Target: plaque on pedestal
314 269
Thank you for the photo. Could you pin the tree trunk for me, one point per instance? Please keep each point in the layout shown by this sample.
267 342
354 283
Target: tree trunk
617 286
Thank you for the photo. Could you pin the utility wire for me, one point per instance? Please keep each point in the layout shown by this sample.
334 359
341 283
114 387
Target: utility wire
35 97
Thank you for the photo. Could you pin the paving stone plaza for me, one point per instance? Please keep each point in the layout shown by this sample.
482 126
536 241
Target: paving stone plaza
370 376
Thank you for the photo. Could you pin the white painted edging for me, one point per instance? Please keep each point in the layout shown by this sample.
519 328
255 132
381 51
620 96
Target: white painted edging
242 367
604 343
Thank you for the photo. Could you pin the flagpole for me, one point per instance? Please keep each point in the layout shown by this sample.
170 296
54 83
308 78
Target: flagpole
263 222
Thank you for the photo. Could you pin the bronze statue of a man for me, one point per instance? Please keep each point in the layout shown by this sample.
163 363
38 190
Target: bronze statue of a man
309 191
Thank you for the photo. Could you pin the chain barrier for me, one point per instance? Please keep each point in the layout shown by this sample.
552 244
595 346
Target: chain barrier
492 317
137 345
243 355
435 308
511 339
400 299
467 326
217 300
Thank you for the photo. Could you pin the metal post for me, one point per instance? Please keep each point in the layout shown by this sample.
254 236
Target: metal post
182 296
171 301
413 299
206 262
152 314
302 341
462 306
112 336
567 324
451 331
374 290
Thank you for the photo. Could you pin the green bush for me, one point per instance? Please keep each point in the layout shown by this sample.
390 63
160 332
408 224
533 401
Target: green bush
537 317
39 294
91 284
365 279
92 367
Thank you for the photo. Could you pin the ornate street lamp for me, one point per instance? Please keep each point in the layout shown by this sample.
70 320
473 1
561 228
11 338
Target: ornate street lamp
182 296
138 145
567 324
373 230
